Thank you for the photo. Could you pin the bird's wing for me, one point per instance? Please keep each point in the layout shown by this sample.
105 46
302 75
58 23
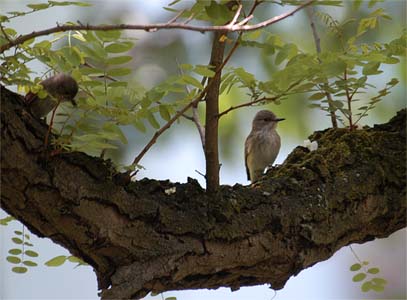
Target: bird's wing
246 153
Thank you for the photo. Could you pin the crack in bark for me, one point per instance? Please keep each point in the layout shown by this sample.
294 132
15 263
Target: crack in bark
137 238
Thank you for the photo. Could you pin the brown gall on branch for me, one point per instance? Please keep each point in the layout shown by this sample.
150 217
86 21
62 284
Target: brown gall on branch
152 27
163 236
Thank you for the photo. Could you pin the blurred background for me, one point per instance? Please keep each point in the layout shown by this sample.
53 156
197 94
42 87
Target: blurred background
178 153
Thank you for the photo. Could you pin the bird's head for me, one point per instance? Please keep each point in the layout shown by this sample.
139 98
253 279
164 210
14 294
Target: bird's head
265 118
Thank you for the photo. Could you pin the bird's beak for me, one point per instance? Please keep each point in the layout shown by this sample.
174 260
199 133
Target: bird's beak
74 102
280 119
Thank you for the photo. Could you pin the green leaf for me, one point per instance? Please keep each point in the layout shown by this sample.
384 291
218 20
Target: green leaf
164 112
317 96
337 103
119 47
117 130
92 71
56 261
358 277
30 263
371 68
192 81
356 4
79 36
66 3
119 72
247 78
174 2
74 259
108 36
13 259
43 44
393 82
366 286
15 251
379 281
38 6
218 13
72 56
139 125
17 240
204 71
118 60
19 270
118 84
377 288
4 18
355 267
18 232
31 253
152 120
171 298
373 270
6 220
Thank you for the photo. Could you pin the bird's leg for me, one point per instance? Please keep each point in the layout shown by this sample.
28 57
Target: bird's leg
51 122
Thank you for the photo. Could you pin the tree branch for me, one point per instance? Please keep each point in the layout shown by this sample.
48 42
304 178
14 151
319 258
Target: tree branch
262 99
152 27
211 115
162 236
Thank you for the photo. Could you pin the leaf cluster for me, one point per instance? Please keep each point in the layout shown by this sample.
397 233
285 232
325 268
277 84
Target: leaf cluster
365 277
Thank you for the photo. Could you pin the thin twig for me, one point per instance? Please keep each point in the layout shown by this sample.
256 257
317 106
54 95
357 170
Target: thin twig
268 99
152 27
195 115
236 16
249 103
349 100
245 20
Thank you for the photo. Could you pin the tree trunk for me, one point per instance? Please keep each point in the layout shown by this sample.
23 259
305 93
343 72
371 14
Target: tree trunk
141 237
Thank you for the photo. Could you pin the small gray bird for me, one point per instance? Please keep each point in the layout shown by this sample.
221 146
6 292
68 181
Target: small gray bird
262 144
60 88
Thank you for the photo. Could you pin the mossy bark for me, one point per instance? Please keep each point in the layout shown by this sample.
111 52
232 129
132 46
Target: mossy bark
139 238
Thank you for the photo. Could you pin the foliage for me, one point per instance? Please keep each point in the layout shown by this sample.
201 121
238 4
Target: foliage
364 275
61 259
20 256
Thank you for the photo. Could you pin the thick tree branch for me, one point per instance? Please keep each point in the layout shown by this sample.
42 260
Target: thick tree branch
153 27
158 235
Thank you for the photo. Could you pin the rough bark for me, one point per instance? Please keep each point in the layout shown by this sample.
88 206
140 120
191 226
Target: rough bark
139 238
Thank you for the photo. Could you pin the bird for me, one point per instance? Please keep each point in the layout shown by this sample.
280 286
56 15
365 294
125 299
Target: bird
262 144
60 88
